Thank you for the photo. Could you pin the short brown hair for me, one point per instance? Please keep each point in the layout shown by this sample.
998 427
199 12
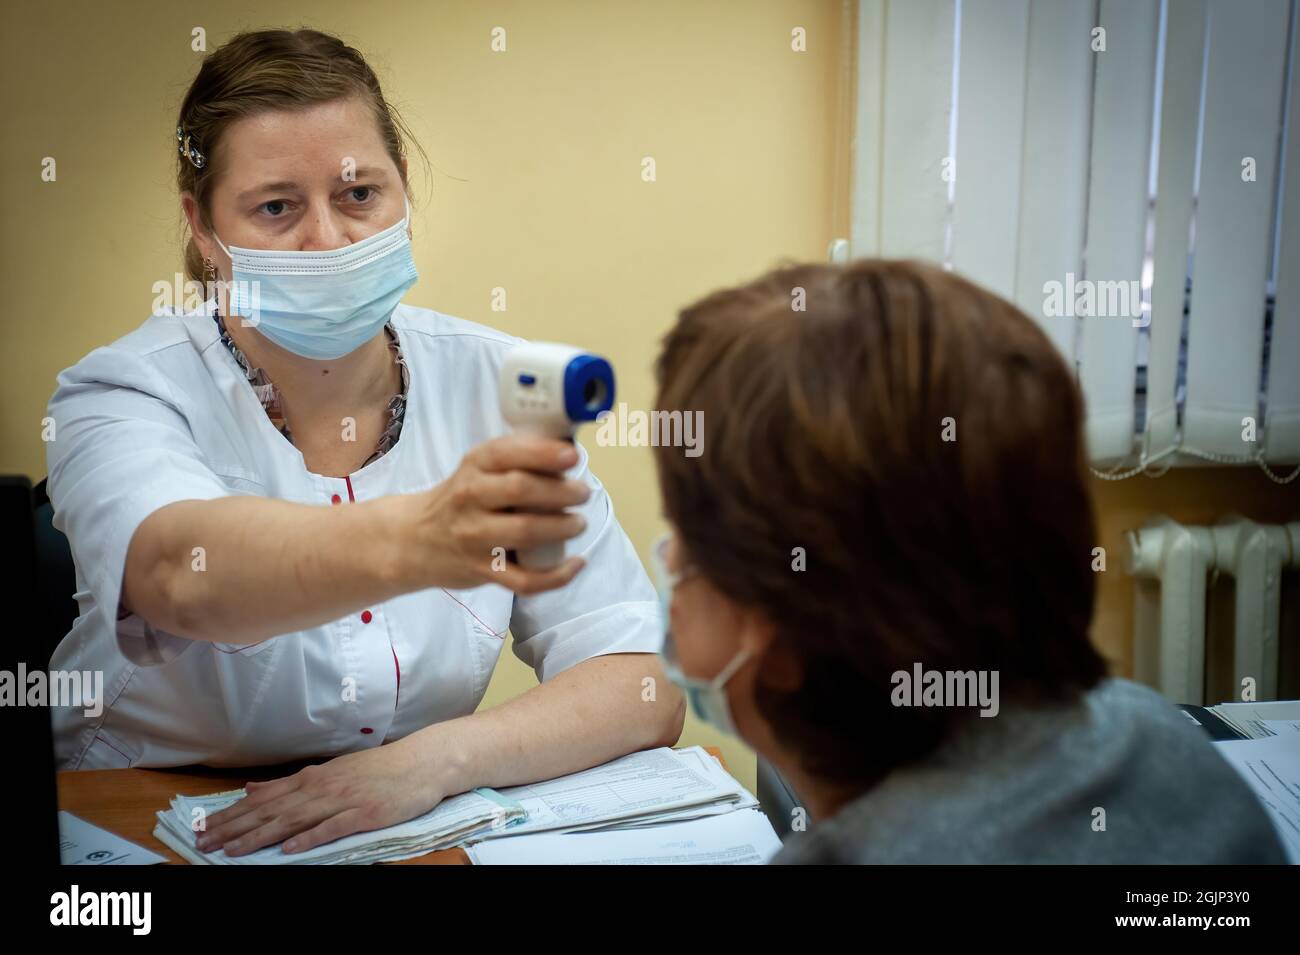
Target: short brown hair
922 440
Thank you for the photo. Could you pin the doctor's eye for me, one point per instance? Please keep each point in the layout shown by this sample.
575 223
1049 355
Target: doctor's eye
273 208
361 194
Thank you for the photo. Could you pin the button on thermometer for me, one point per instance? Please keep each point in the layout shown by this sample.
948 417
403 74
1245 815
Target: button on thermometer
550 389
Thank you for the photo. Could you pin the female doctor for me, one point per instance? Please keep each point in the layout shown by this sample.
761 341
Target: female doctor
284 526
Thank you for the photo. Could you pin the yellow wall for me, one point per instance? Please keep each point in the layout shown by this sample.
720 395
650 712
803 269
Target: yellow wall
536 187
536 183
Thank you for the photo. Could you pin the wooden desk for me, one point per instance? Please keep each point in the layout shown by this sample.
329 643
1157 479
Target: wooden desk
125 801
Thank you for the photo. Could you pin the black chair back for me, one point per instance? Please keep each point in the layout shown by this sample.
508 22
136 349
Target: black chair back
27 728
56 574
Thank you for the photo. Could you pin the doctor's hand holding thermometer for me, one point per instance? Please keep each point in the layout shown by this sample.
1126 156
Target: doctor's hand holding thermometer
548 390
509 494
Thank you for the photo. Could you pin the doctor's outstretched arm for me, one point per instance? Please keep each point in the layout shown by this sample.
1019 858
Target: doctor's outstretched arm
273 567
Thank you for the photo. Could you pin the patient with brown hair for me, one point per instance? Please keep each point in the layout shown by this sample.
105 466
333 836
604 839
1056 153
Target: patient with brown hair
879 575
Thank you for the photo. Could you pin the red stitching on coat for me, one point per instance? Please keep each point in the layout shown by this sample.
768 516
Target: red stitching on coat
474 615
114 748
244 649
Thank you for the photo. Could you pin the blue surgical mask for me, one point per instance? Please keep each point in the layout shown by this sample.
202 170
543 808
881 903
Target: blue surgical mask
323 304
708 698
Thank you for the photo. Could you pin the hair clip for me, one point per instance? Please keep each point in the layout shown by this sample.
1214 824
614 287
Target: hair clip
187 149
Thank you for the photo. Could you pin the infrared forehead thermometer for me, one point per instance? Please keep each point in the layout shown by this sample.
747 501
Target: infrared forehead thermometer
550 389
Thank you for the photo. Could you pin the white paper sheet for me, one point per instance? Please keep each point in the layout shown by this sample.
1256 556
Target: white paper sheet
627 791
1252 719
82 843
1271 767
1281 727
742 837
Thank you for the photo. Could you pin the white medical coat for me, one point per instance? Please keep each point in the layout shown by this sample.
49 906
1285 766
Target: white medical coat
165 414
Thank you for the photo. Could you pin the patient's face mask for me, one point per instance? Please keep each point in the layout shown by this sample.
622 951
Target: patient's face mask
708 698
324 304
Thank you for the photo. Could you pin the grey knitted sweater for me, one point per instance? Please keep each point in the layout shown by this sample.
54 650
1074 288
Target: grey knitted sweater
1025 786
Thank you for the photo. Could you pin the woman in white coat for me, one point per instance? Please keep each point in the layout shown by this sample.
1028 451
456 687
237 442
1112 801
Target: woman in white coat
284 528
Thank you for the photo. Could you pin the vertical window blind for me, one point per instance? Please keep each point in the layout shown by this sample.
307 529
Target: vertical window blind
1121 170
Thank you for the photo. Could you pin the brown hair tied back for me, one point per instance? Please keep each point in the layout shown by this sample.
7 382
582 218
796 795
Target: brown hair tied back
269 70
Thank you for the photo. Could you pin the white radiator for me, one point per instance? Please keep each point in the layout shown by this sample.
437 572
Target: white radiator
1173 564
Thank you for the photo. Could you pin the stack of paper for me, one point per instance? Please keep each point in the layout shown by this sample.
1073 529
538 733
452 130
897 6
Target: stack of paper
1260 720
643 789
744 837
447 824
646 788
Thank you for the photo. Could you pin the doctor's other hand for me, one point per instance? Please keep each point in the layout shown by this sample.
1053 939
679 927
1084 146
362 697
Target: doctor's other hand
508 493
356 792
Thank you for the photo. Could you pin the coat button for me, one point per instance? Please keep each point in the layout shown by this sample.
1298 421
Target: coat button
336 499
366 616
367 730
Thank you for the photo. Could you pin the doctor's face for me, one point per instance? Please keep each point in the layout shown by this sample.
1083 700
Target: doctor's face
305 180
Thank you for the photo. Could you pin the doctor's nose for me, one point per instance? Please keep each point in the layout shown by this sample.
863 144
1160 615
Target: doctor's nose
321 230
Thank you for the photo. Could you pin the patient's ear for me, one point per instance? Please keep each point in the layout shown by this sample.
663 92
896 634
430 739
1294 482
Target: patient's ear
781 667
